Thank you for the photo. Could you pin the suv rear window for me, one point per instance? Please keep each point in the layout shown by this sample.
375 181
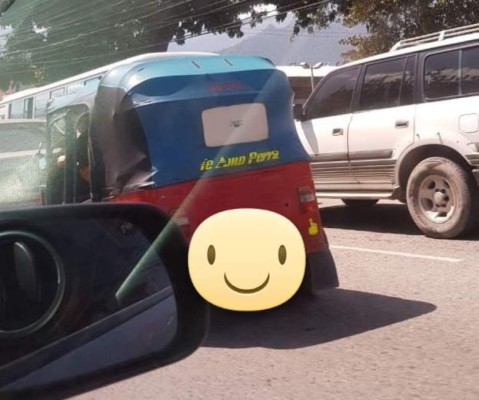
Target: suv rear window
470 71
441 77
451 74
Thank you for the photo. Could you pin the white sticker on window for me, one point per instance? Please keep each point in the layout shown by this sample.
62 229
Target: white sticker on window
242 123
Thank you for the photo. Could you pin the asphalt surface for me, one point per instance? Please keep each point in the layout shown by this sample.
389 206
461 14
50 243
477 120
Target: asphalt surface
403 325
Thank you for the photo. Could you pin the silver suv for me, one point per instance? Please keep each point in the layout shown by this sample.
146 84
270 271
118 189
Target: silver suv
402 125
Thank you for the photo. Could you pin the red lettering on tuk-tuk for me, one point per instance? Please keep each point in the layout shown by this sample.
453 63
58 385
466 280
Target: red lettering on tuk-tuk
224 87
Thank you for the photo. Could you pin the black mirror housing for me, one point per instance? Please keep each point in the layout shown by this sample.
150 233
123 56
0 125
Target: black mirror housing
298 112
92 294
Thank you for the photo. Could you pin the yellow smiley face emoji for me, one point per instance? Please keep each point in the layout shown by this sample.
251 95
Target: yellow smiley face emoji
247 259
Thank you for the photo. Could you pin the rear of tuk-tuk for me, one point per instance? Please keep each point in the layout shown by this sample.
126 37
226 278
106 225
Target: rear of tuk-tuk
204 134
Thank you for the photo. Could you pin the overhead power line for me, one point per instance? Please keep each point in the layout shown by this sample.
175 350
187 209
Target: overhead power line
268 15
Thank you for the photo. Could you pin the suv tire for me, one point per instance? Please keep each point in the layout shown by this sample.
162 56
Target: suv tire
443 198
359 203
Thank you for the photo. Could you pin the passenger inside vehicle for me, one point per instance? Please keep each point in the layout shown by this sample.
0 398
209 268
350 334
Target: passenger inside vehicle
83 166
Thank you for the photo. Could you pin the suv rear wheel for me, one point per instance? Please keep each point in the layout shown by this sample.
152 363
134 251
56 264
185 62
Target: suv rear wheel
359 203
443 198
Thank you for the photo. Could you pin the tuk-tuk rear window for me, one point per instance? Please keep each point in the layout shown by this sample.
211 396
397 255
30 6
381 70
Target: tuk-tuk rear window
241 123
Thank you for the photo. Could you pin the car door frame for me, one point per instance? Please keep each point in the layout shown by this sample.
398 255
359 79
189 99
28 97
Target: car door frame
334 162
383 158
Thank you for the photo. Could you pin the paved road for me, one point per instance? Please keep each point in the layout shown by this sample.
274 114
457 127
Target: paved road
404 325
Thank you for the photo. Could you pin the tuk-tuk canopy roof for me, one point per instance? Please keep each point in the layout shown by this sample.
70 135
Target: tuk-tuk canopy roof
86 95
127 76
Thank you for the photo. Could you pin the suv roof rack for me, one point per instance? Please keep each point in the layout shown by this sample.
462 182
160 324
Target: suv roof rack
436 37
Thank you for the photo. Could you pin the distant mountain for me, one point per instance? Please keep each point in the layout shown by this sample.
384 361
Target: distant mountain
278 44
275 41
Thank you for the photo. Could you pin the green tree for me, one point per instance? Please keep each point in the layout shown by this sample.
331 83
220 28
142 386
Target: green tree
52 39
388 21
46 40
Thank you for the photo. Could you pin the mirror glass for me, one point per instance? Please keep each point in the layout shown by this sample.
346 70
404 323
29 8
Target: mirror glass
66 278
298 112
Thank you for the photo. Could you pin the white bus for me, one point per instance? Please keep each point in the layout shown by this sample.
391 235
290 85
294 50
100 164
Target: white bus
303 79
32 103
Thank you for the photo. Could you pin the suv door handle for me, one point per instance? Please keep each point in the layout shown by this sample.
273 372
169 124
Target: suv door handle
402 124
338 132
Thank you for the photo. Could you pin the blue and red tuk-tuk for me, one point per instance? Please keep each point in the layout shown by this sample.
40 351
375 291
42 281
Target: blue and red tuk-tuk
194 135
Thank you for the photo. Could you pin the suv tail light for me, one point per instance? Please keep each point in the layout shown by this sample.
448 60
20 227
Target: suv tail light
307 198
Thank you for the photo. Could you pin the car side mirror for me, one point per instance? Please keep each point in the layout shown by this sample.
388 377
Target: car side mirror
91 294
298 112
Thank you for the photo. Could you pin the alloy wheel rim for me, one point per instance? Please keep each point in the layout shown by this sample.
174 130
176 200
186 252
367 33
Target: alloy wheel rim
437 199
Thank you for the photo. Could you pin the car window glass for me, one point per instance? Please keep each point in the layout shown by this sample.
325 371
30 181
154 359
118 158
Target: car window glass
382 85
19 180
441 76
240 123
407 90
335 95
470 71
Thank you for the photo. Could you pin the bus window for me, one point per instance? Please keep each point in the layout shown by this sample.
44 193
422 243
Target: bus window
28 108
16 109
57 92
73 87
92 81
41 100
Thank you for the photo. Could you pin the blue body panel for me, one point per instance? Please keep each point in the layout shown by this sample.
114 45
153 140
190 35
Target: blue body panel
169 97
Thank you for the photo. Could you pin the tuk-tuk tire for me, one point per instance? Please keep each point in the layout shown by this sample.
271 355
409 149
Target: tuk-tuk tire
320 273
